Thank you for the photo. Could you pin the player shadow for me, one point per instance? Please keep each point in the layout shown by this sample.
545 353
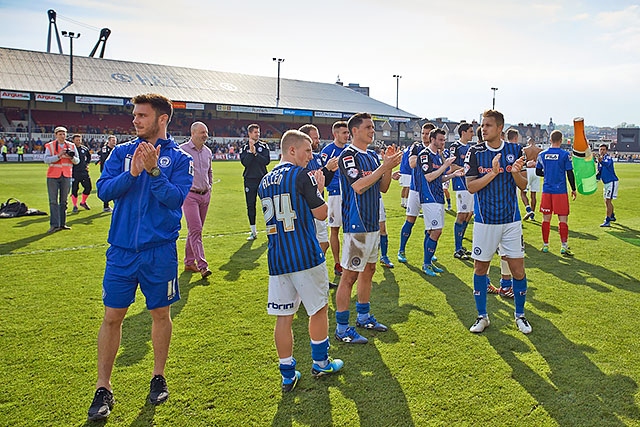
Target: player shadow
572 233
624 233
576 391
136 329
145 416
26 221
386 294
86 220
245 258
10 247
574 270
365 379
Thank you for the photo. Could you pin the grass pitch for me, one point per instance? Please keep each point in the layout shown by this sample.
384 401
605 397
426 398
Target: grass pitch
579 367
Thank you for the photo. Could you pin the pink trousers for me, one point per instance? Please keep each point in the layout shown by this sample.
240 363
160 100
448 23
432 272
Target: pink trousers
195 208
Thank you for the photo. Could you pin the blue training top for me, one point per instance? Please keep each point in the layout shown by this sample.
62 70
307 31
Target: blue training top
147 210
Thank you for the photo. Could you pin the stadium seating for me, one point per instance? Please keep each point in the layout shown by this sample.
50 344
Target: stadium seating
84 122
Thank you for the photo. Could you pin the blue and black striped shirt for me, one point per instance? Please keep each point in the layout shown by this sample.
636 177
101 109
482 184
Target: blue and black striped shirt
430 192
288 194
360 212
497 203
459 150
416 173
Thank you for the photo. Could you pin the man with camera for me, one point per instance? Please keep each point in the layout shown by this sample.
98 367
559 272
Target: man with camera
60 155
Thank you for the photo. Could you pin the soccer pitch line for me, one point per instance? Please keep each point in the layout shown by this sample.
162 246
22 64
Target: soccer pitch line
104 245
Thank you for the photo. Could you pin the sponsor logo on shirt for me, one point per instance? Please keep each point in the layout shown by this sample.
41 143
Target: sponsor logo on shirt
312 177
348 162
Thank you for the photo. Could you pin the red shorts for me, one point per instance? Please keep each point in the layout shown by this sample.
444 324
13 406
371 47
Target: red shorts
554 204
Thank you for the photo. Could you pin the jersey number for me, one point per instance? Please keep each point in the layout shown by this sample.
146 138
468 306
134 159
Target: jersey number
280 207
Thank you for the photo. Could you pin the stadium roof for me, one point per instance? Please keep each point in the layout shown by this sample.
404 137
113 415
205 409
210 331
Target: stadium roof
48 73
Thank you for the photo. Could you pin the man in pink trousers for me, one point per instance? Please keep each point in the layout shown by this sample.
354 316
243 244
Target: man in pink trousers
197 202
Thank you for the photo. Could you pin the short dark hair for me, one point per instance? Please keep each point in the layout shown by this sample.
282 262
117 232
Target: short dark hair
356 120
556 136
463 127
433 134
428 125
252 126
511 133
308 128
339 124
496 115
76 135
160 103
605 146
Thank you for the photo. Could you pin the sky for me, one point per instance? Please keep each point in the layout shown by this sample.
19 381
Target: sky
549 59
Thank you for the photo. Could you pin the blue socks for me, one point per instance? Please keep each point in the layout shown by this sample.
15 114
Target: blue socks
519 294
288 371
458 233
480 294
363 311
384 245
342 319
429 248
404 234
320 352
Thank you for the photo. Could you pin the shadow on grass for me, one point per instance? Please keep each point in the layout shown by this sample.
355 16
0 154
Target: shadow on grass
574 270
365 380
145 416
624 233
136 329
243 259
554 230
81 219
26 221
576 392
9 247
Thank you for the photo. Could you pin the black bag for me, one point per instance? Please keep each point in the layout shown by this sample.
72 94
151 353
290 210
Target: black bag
12 209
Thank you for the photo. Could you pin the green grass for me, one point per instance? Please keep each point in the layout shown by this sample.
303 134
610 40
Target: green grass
579 367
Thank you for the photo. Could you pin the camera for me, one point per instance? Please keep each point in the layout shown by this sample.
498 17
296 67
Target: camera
70 153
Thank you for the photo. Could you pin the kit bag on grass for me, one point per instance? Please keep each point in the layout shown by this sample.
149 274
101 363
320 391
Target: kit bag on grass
13 208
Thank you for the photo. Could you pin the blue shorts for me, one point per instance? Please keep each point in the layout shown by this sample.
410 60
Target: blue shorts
155 269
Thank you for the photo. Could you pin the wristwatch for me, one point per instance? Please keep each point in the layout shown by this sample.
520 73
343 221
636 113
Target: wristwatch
155 172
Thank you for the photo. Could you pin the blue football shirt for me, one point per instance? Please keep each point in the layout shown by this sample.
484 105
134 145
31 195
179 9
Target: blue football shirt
496 203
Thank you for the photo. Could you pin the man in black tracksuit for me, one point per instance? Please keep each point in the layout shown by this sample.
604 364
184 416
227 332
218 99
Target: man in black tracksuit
81 174
104 154
254 156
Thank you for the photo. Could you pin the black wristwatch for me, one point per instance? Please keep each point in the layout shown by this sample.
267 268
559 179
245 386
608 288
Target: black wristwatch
155 172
